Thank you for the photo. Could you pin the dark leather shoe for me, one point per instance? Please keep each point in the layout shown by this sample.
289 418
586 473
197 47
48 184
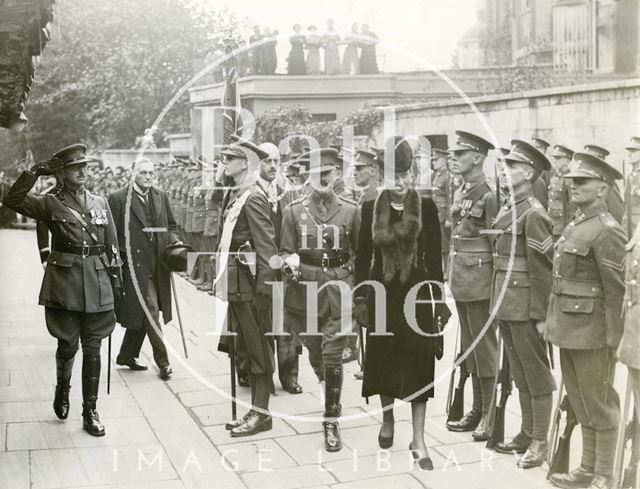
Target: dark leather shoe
91 422
602 482
519 444
535 455
469 422
332 439
480 433
236 422
385 442
292 387
61 401
132 363
166 372
255 423
579 477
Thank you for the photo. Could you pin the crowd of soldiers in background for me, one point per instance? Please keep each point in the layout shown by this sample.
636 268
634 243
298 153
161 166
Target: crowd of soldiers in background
312 52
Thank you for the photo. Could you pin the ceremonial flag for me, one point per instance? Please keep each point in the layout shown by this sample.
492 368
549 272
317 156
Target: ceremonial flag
231 101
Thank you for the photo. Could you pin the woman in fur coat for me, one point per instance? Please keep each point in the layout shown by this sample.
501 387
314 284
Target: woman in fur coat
399 246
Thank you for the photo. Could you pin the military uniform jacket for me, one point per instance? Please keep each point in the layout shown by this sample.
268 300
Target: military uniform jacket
199 206
71 282
253 226
527 291
212 201
471 258
632 192
312 233
440 194
629 352
369 193
587 292
558 202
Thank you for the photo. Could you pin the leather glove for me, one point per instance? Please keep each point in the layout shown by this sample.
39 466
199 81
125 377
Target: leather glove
48 167
361 313
442 311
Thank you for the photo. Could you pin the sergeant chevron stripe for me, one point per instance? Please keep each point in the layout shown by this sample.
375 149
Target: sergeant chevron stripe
540 246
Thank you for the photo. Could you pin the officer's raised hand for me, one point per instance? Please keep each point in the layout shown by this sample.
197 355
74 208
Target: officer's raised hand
47 167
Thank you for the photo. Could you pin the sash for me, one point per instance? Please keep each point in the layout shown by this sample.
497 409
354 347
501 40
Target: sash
227 233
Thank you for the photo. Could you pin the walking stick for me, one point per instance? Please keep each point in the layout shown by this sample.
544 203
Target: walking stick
175 297
232 370
109 365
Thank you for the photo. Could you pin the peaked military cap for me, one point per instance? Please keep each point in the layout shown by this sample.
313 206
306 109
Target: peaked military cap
329 159
596 150
634 143
365 157
590 166
541 143
72 155
562 151
438 142
523 152
467 141
238 148
439 153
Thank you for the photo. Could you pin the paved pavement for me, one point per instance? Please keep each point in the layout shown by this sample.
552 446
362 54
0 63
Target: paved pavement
170 435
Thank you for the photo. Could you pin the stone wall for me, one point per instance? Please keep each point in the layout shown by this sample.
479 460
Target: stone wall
606 113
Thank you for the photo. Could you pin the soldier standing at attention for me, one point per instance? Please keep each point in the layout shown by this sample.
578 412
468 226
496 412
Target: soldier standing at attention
82 279
558 189
470 274
441 180
632 185
584 318
321 229
246 220
523 309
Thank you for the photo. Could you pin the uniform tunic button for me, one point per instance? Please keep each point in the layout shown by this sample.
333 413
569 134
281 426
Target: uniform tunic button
515 282
576 306
633 282
629 303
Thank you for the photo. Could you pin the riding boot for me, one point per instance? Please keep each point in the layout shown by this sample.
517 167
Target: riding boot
64 368
90 385
332 409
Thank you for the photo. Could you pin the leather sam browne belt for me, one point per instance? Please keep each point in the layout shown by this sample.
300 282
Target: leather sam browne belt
325 260
472 245
78 249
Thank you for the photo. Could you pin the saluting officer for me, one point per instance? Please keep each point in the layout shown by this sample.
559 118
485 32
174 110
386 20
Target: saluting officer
471 272
632 185
321 229
522 310
77 286
246 219
584 319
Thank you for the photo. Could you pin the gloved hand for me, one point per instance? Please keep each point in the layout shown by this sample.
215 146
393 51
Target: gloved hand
442 311
540 327
47 167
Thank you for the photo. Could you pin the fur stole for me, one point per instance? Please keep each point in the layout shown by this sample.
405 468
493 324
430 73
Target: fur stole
398 241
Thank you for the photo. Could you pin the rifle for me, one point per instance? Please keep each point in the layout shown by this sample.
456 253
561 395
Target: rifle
622 435
630 477
560 461
504 383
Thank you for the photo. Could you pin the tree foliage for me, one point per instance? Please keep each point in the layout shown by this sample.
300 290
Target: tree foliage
110 69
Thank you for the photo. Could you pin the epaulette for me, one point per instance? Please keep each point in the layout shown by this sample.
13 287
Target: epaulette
535 203
607 219
346 199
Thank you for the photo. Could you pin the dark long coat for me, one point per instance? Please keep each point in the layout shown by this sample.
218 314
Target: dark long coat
145 253
400 365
